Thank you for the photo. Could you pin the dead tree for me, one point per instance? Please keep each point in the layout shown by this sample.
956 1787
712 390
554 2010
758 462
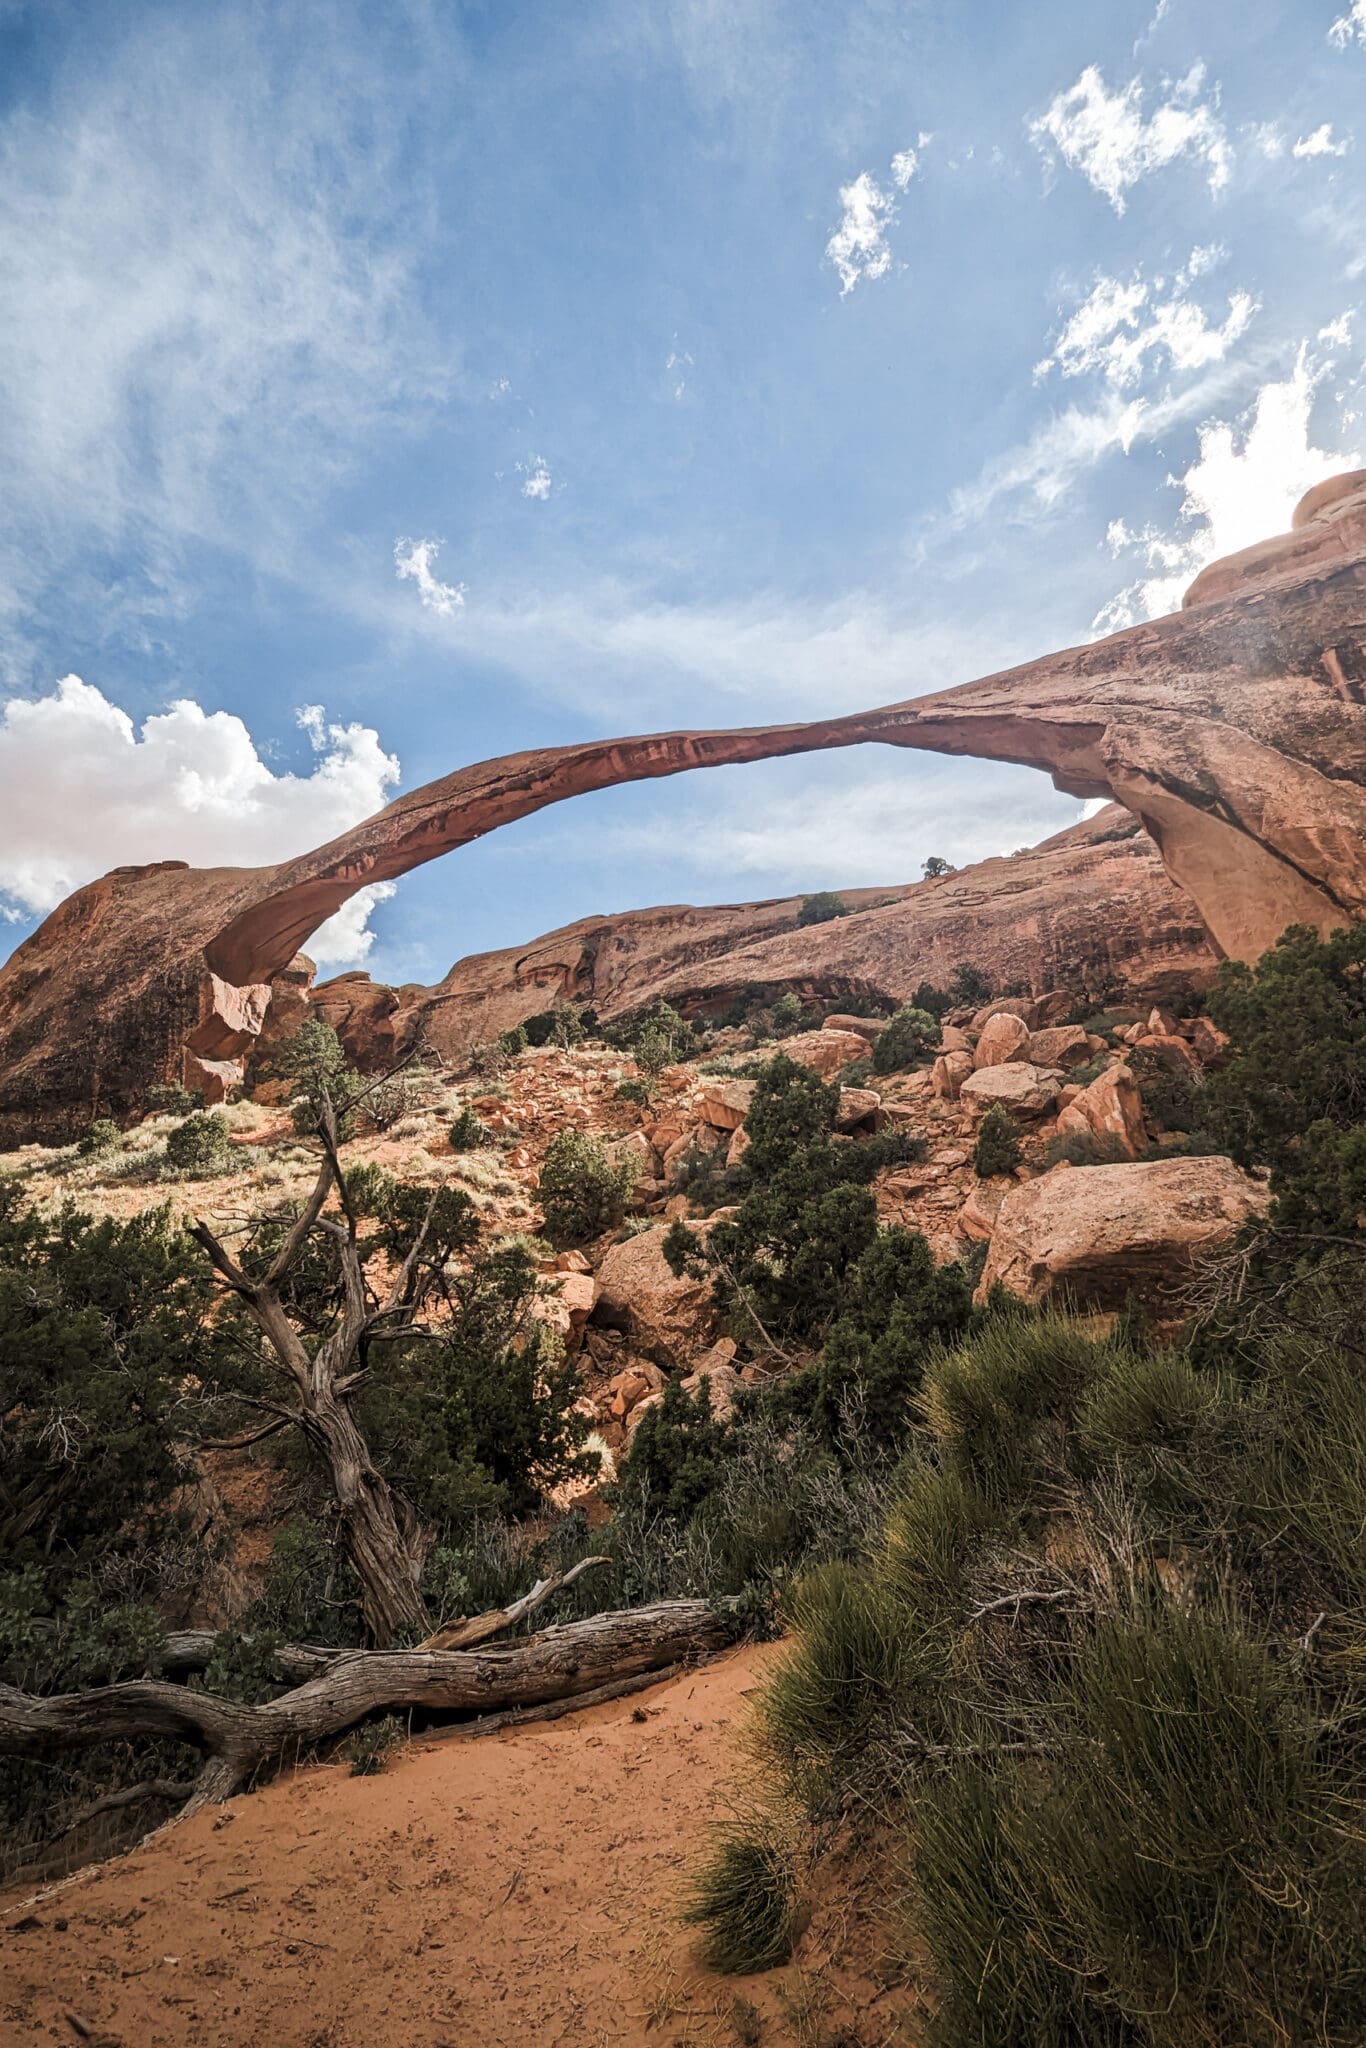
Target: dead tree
574 1660
384 1539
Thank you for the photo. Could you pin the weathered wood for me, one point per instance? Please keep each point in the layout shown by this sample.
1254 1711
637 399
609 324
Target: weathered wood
561 1663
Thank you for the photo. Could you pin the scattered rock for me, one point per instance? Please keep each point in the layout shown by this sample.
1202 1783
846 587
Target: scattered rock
857 1106
977 1217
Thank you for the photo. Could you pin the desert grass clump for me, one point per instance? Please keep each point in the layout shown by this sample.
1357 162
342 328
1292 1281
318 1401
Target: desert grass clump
997 1406
744 1899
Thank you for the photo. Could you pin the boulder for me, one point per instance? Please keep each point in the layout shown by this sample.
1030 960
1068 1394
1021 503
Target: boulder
1099 1234
1052 1008
725 1104
635 1151
1023 1089
953 1039
1210 1043
1003 1037
739 1145
866 1027
1063 1045
669 1320
565 1302
696 1138
948 1074
1023 1007
1172 1053
826 1051
1110 1108
857 1105
977 1217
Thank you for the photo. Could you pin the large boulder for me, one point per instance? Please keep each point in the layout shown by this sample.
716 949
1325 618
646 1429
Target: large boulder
1003 1037
1062 1045
1111 1109
1023 1007
1023 1089
865 1027
667 1319
725 1104
826 1051
1099 1234
857 1106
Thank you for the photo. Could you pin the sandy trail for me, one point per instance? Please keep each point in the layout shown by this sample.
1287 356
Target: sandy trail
515 1891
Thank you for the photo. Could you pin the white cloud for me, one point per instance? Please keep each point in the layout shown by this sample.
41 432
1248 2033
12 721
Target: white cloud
1121 324
677 365
1338 333
82 791
346 939
1242 487
1322 143
538 478
858 247
413 563
1349 28
1106 137
905 164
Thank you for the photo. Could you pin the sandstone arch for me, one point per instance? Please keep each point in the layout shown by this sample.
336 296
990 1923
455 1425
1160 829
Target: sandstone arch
1235 730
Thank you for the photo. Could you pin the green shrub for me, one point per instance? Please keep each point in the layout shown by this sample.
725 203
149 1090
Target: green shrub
513 1041
372 1743
581 1192
935 1000
744 1899
909 1039
998 1404
201 1146
632 1090
998 1143
821 908
468 1133
969 987
102 1135
173 1100
1084 1148
677 1452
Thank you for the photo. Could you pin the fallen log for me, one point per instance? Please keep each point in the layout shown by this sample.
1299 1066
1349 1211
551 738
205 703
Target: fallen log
560 1663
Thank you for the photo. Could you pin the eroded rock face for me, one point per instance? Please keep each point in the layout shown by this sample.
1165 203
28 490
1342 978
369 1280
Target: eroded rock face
1100 1233
1234 730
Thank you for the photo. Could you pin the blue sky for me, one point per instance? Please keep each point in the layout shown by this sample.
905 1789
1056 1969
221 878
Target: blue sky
383 387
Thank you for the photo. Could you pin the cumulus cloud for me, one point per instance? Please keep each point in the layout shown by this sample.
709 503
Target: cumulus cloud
1107 137
83 791
1349 28
537 478
1122 324
858 248
1242 487
1322 143
413 563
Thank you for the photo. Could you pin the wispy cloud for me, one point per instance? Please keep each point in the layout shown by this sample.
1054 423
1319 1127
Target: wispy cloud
537 481
413 563
1350 27
83 790
1124 324
1107 137
855 824
209 305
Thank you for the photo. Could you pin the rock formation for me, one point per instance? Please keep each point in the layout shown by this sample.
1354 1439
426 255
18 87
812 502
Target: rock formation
1235 730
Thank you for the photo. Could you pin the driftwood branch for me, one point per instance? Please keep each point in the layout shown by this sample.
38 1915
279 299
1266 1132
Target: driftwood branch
561 1663
463 1635
172 1791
